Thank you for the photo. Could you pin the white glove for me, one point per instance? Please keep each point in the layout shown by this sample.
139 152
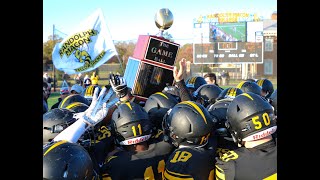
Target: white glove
98 108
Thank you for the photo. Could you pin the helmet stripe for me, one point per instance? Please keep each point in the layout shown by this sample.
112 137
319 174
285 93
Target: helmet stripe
160 93
64 100
228 92
247 95
193 80
260 82
232 91
55 145
129 105
75 104
192 104
240 84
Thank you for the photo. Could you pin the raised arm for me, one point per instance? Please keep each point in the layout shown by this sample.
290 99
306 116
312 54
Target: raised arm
96 112
178 77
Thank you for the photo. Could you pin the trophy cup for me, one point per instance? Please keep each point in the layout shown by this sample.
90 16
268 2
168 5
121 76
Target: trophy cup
151 66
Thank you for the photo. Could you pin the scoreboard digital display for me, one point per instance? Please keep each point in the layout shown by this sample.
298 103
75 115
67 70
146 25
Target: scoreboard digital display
228 52
220 32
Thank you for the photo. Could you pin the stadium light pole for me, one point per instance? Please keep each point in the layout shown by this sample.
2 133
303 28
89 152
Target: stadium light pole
54 74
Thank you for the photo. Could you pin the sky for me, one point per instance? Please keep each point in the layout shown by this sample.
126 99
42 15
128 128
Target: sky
127 19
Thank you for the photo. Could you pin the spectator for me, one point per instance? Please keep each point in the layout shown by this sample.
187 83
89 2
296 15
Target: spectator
211 78
76 89
227 78
94 78
46 95
47 79
86 81
64 92
85 78
219 77
66 77
78 79
224 77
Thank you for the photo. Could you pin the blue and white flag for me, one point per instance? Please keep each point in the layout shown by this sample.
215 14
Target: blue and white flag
86 48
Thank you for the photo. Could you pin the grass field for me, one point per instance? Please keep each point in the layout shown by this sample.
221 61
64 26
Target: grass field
53 99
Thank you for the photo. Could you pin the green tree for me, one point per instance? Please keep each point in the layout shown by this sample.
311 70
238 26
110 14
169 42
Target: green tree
48 48
124 49
186 51
49 45
47 53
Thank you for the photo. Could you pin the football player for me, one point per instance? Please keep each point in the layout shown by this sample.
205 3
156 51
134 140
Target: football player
65 160
250 121
137 156
266 87
188 127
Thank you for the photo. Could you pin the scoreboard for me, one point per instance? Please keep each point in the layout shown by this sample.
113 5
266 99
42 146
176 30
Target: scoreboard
228 52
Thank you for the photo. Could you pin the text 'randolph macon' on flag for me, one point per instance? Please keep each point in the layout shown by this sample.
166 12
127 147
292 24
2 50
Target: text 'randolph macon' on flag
88 47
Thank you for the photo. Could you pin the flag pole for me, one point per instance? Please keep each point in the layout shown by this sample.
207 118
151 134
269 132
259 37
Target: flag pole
54 74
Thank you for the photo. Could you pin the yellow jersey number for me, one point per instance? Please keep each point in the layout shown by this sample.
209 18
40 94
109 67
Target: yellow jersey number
148 173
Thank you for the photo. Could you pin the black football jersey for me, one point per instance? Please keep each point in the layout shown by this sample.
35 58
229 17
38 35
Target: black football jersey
190 163
225 144
98 145
255 163
128 165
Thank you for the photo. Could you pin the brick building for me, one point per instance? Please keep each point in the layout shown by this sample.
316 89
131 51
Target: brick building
269 66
